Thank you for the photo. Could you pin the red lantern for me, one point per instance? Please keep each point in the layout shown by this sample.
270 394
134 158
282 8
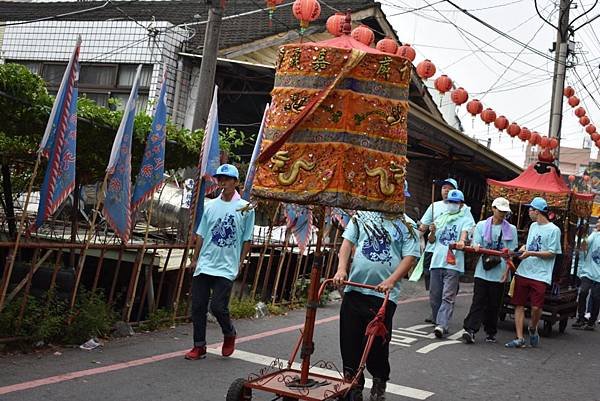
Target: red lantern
525 134
580 112
306 11
387 45
535 138
501 123
546 156
568 91
571 178
407 52
586 177
573 101
585 120
544 142
459 96
335 24
553 144
590 129
598 143
443 84
488 116
474 107
426 69
272 5
363 34
595 137
513 129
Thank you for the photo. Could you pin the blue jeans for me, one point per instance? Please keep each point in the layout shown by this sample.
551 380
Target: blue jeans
442 295
202 287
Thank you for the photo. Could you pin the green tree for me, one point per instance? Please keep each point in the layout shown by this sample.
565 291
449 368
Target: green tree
24 109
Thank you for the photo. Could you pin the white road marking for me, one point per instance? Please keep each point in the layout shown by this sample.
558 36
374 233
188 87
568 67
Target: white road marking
402 339
434 346
456 335
258 359
413 333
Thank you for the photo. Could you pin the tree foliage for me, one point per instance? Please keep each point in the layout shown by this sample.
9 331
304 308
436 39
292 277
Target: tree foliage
24 110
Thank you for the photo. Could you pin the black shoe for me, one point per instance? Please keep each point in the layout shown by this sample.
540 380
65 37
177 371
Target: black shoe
579 324
468 337
589 327
491 339
378 390
429 320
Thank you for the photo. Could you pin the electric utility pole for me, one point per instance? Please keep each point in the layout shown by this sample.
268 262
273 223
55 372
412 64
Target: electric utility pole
209 64
560 66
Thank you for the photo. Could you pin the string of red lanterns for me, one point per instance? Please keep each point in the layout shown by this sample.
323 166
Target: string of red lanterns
443 84
581 114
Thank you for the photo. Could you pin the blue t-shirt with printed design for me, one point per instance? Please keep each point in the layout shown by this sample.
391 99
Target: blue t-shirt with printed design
544 238
429 217
447 234
380 246
591 266
494 274
224 227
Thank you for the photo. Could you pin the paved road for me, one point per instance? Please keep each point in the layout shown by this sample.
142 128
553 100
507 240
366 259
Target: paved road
151 366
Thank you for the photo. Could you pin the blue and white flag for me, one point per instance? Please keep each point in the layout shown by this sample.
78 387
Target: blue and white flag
252 166
211 158
117 200
152 169
59 143
299 221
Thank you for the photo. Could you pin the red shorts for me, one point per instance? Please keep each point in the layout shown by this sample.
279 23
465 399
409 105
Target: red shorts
526 288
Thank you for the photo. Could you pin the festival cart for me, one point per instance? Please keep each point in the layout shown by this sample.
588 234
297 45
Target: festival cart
334 136
570 211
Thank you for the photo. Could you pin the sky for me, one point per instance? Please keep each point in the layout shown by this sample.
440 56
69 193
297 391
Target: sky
511 79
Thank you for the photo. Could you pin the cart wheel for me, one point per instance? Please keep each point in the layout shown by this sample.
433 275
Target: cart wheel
238 392
547 329
562 325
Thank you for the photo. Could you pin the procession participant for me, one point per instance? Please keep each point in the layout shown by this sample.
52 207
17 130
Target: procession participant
224 239
488 289
385 250
452 226
433 211
589 275
534 273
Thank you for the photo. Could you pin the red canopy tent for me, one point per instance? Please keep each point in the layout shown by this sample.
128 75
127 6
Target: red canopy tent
549 185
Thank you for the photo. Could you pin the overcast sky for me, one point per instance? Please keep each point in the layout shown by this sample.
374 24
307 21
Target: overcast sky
512 80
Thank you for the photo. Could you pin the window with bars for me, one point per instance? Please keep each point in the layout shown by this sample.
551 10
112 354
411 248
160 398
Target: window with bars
98 82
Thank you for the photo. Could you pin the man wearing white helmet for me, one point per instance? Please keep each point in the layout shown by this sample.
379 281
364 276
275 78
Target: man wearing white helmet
224 239
493 233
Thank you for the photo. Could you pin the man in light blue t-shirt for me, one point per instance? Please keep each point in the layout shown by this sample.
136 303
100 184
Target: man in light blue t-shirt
432 212
535 271
452 226
386 249
589 274
493 233
224 239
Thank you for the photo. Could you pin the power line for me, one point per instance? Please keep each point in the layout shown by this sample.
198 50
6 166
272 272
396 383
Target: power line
500 32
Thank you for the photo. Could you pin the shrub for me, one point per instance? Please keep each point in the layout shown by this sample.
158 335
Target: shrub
242 308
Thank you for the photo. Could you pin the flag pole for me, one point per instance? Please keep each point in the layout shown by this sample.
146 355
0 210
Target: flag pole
88 240
135 274
190 237
11 256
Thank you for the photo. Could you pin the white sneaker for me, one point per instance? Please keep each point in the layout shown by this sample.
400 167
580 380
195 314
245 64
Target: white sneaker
438 331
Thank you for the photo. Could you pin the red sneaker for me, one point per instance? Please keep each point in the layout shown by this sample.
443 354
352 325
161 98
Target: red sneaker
228 345
196 353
